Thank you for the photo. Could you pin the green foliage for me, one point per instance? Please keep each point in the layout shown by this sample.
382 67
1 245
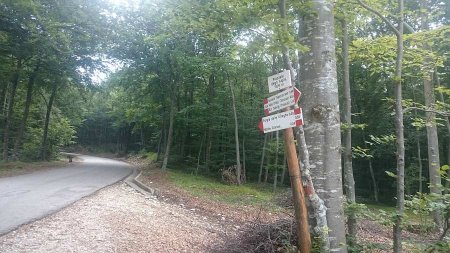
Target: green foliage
61 134
200 186
359 152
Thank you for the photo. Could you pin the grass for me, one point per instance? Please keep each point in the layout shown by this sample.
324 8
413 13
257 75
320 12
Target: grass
248 194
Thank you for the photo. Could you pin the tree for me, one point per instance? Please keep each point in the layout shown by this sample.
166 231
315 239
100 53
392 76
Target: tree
399 129
321 109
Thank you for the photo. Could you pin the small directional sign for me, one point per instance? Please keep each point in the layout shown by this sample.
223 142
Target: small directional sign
279 81
282 120
281 100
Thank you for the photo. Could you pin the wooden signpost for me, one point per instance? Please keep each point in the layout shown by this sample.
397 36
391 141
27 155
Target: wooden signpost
286 120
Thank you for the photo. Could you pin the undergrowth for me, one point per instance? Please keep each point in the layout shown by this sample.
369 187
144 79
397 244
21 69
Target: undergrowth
246 194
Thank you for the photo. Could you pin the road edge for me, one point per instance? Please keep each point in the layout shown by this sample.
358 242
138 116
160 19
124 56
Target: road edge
133 182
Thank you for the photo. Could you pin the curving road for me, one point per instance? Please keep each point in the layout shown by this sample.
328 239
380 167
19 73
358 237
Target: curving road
26 198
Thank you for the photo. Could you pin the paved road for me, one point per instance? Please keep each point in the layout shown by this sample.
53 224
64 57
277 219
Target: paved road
30 197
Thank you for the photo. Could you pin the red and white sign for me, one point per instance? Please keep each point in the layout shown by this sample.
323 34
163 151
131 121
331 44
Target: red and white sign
279 81
281 100
282 120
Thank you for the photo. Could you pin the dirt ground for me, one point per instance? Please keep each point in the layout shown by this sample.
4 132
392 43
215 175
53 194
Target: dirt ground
119 219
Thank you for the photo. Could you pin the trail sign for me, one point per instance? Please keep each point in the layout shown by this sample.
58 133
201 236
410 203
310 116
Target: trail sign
281 100
281 121
279 81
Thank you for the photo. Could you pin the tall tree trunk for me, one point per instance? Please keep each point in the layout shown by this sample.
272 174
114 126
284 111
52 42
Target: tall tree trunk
47 121
211 87
199 153
316 206
3 91
170 132
10 109
419 158
283 173
447 124
374 181
400 140
419 151
236 135
434 163
372 173
321 112
399 129
349 182
161 136
23 123
262 159
244 168
266 169
275 177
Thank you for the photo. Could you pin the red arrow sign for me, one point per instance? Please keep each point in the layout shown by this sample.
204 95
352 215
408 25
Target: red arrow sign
286 98
282 120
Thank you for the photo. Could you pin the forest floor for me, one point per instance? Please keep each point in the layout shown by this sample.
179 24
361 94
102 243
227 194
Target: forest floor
246 215
187 214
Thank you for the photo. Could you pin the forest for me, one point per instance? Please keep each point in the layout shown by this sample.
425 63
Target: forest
185 81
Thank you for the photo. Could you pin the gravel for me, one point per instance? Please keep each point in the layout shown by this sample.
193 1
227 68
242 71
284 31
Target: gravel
118 219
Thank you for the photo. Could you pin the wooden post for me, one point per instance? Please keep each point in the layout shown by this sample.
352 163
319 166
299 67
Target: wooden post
301 215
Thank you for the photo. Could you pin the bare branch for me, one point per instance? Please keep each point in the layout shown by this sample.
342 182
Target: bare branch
445 114
367 7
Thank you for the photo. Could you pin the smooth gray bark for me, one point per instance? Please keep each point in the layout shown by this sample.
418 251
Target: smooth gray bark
170 132
400 140
321 112
262 159
316 206
419 158
277 150
349 181
199 153
447 125
398 120
434 163
236 135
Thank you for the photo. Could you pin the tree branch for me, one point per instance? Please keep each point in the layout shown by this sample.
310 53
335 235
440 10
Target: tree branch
367 7
445 114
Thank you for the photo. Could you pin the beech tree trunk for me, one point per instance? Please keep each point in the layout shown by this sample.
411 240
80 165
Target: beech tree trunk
10 109
44 155
211 86
275 177
244 168
321 112
400 140
236 135
316 206
398 119
199 154
434 163
349 181
266 169
447 124
262 159
170 132
283 173
23 123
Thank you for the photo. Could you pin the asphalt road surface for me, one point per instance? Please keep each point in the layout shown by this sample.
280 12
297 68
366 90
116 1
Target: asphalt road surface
26 198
